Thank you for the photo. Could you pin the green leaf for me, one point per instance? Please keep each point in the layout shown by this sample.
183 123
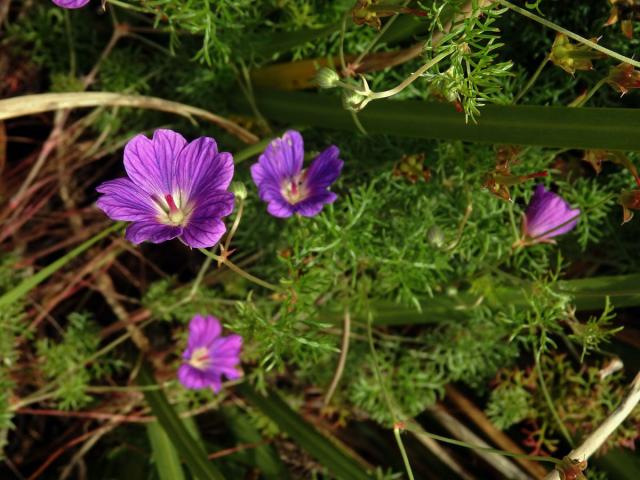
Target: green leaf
598 128
164 454
191 452
328 453
264 457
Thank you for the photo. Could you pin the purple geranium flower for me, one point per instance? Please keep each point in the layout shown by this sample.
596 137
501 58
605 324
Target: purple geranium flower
174 189
209 356
71 3
289 189
548 215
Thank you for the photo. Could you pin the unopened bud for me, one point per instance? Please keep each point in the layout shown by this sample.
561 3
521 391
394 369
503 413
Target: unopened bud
353 101
327 78
435 237
239 190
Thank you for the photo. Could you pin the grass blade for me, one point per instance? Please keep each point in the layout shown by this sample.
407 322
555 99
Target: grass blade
191 452
562 127
33 281
329 454
164 454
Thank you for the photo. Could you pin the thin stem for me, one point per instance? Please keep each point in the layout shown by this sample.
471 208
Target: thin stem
590 93
232 266
552 408
418 430
358 124
234 227
127 6
532 80
343 28
388 400
463 223
377 38
346 334
410 79
568 33
597 438
196 284
403 452
72 51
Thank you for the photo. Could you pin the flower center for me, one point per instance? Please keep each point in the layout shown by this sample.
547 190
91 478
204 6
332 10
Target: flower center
172 213
294 189
200 358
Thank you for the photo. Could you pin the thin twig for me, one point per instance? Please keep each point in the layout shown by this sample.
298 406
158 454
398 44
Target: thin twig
597 438
346 333
45 102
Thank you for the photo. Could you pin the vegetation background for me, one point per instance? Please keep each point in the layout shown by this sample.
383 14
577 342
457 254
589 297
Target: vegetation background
408 336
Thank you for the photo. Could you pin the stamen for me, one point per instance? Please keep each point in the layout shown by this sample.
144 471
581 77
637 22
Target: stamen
173 208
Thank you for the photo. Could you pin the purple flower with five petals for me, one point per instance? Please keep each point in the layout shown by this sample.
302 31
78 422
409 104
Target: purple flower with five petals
174 189
209 355
289 189
71 3
548 215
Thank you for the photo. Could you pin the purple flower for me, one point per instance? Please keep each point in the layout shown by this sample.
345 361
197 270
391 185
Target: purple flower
209 356
548 215
71 3
289 189
174 189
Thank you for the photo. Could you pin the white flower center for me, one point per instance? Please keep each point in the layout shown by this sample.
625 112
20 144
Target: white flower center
294 189
200 358
171 211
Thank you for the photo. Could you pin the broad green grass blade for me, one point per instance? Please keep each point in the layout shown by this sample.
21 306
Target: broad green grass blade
587 128
191 452
264 457
329 454
164 454
29 283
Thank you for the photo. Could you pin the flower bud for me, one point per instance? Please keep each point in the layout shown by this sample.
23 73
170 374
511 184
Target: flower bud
239 190
435 237
327 78
353 101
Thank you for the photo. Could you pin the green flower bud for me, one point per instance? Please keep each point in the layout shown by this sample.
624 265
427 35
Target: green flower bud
327 78
239 190
435 237
352 100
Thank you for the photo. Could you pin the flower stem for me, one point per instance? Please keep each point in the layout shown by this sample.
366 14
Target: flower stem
403 452
581 102
532 80
552 408
568 33
410 79
232 266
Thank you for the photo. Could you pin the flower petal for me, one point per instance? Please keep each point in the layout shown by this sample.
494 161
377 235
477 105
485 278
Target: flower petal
205 227
201 168
324 170
549 215
312 206
282 159
124 200
150 163
71 3
203 331
150 231
228 346
280 208
196 379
